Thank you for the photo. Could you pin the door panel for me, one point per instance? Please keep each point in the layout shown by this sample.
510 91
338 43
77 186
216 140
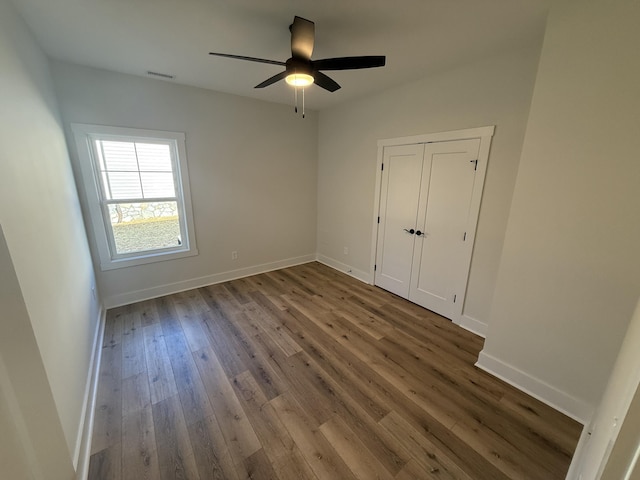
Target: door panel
398 209
443 213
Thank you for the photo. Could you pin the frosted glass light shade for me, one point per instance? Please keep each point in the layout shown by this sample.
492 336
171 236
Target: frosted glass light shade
299 79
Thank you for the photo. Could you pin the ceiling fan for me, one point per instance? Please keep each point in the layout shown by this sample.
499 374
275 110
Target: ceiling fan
300 70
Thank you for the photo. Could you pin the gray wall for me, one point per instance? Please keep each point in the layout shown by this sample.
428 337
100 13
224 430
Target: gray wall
491 91
252 168
49 313
569 274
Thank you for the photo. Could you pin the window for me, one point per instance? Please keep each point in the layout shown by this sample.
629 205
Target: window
137 190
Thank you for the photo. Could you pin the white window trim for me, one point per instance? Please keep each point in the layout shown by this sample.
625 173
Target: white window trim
83 134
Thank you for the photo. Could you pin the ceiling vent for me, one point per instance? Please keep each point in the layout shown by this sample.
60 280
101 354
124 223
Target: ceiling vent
160 75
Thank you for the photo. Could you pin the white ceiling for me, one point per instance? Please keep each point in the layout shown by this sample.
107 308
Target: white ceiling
419 37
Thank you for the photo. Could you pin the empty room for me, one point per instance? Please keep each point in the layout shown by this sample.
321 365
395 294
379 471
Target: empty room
319 240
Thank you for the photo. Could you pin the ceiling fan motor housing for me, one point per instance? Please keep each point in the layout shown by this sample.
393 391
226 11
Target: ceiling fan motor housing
299 66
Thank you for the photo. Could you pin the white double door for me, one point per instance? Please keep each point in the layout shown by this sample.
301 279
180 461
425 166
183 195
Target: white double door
423 250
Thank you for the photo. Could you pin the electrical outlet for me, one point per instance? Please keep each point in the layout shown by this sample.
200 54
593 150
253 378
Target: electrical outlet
346 250
234 255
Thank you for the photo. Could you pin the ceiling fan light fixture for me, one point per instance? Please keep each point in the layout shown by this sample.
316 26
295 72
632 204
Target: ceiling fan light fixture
300 71
299 79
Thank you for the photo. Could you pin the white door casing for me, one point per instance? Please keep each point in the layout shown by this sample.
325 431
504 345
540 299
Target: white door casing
458 236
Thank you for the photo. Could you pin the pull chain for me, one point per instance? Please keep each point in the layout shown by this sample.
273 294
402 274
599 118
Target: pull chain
295 93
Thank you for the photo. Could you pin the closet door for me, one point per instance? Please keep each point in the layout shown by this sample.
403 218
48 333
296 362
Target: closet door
399 195
439 263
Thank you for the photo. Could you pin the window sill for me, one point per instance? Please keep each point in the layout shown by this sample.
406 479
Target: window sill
146 259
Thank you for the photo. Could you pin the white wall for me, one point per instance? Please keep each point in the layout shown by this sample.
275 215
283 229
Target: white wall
492 91
570 270
13 458
625 453
611 425
252 168
32 443
46 247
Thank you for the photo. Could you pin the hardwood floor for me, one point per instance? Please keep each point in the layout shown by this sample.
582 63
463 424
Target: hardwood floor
306 373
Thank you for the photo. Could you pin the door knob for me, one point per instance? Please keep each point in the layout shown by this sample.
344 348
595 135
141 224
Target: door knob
418 233
412 231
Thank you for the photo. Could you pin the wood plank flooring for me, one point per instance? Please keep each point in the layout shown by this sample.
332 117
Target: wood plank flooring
306 373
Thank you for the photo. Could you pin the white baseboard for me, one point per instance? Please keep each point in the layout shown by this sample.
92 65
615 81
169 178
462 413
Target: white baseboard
473 325
344 268
83 447
571 406
468 323
170 288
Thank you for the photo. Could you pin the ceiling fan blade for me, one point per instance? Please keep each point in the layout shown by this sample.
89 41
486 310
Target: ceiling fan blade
250 59
272 80
349 63
303 32
325 82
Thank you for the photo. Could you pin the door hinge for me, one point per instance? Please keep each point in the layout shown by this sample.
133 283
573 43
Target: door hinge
375 267
382 167
464 238
378 219
475 162
454 298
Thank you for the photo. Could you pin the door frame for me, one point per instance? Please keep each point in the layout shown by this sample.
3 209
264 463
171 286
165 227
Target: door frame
485 135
